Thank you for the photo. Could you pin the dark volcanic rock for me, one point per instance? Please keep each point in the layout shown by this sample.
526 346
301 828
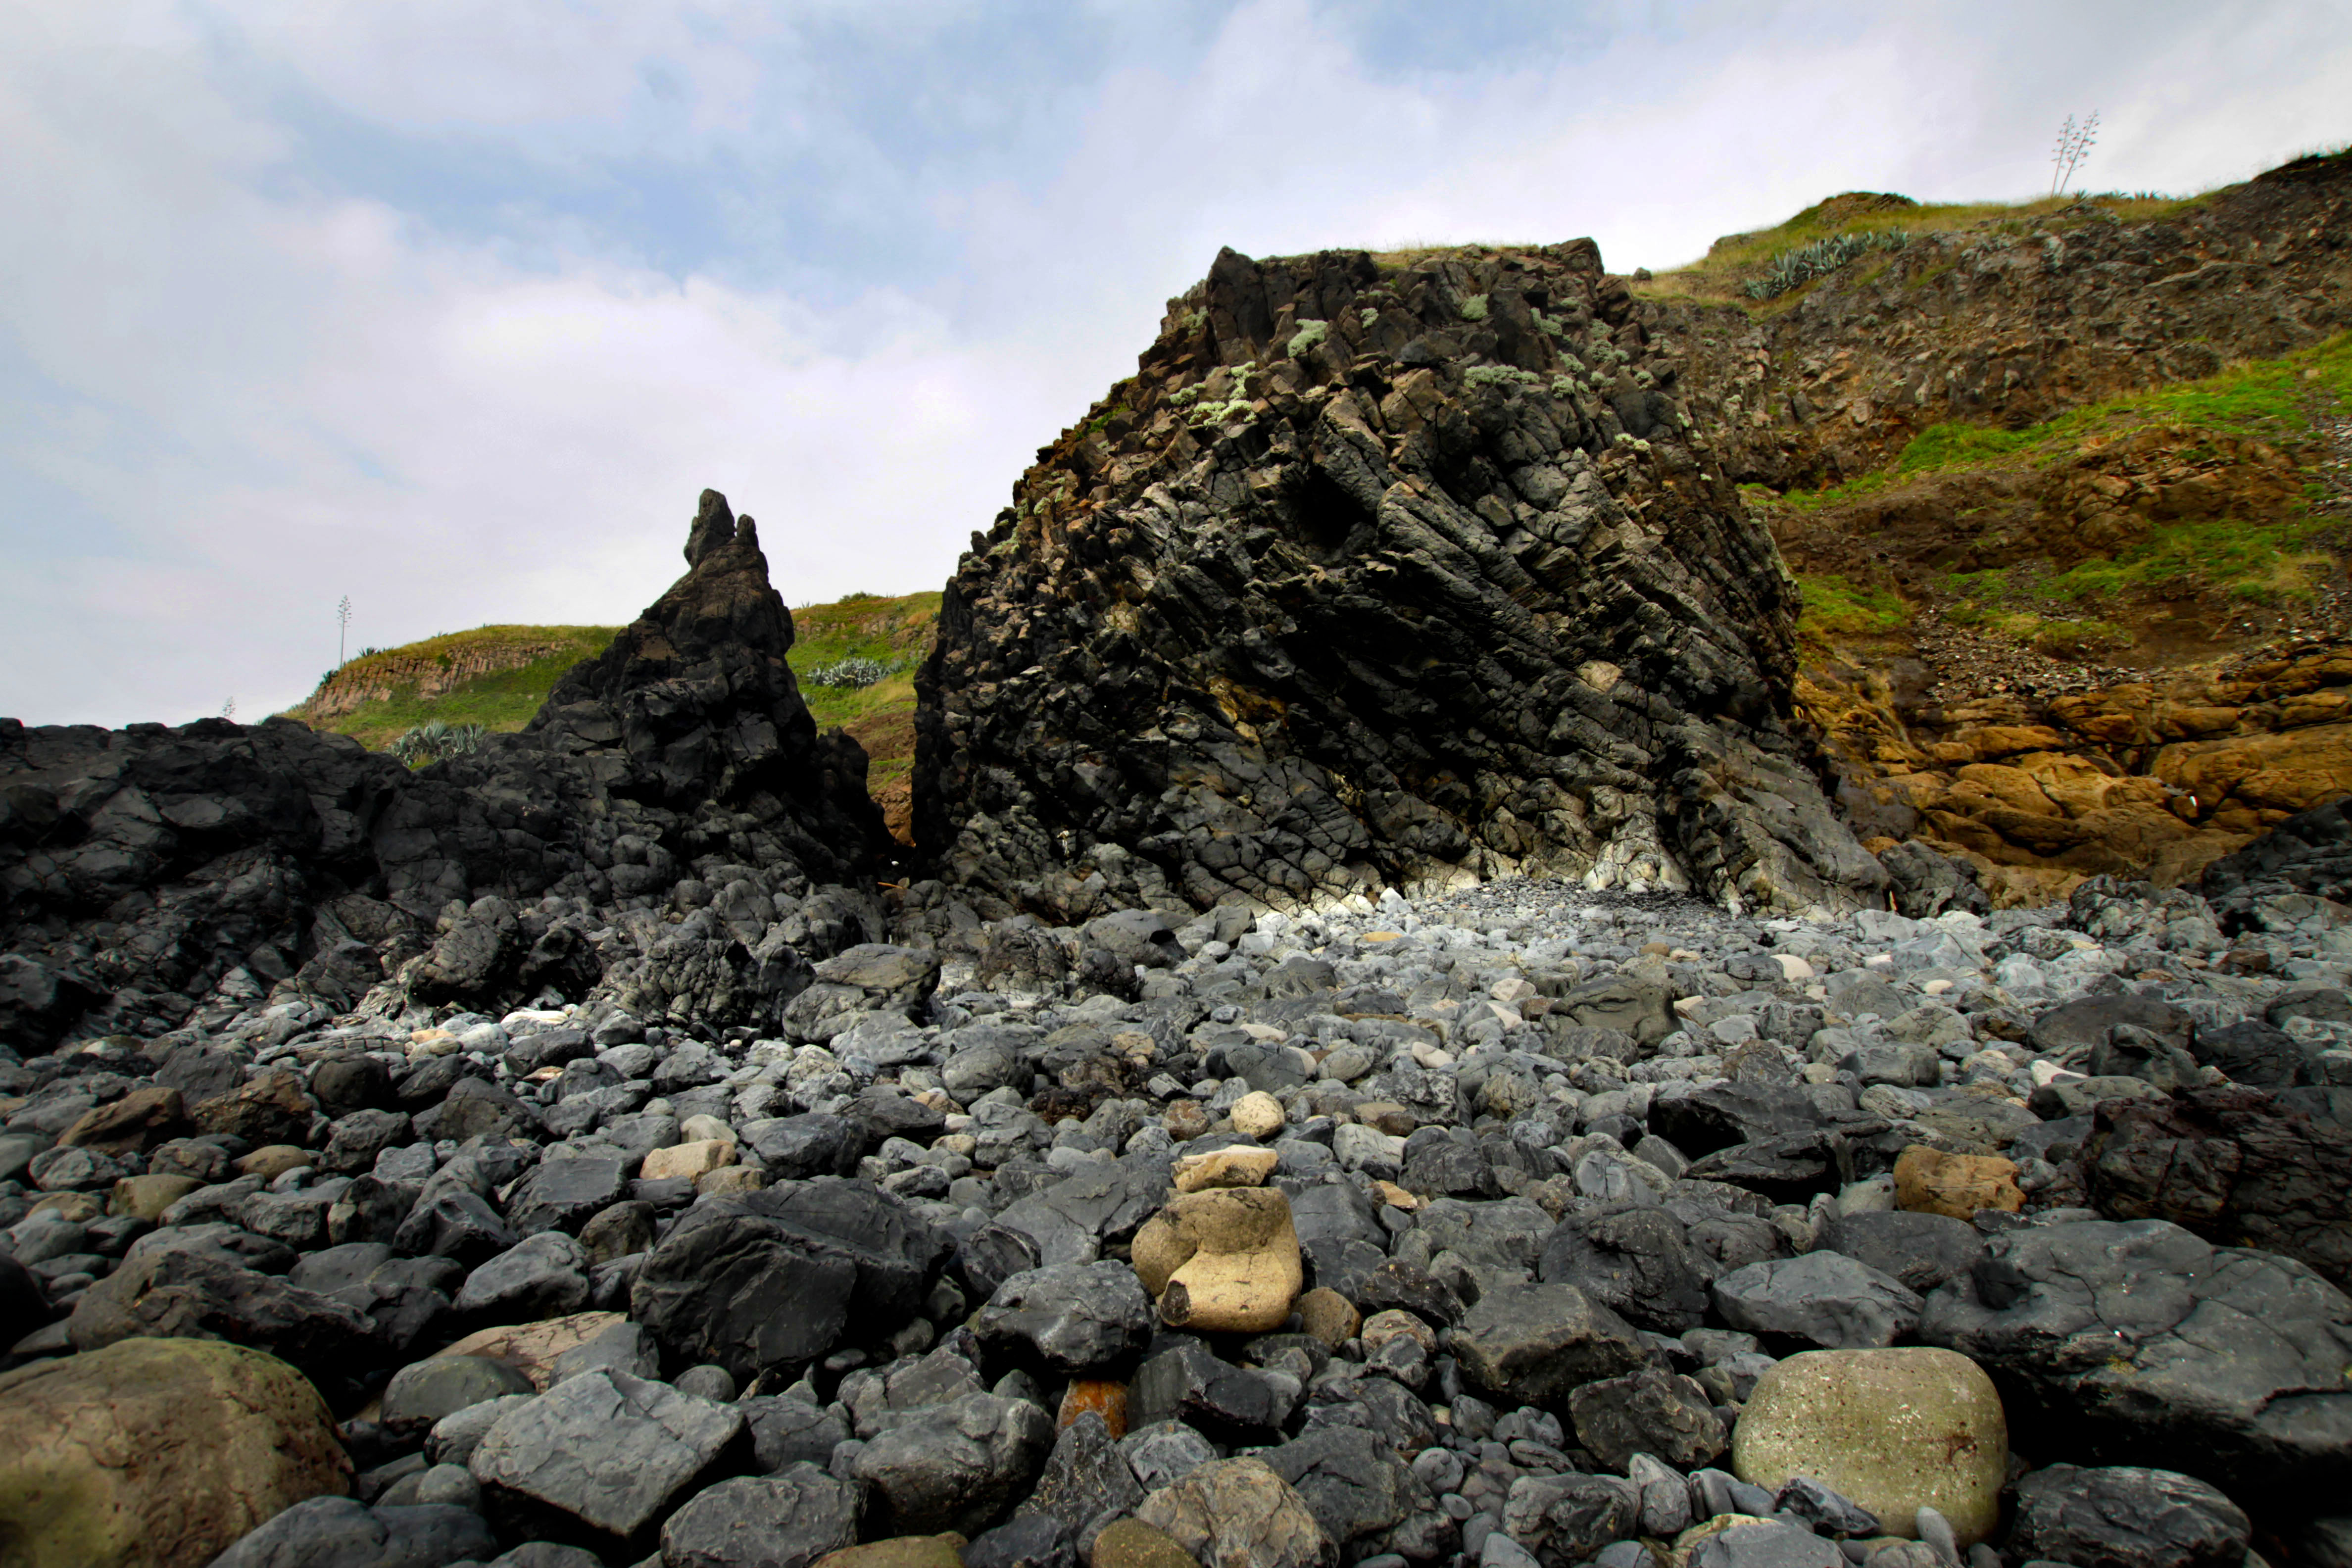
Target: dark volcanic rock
779 1275
2139 1343
2235 1166
1371 579
2308 852
144 867
2126 1518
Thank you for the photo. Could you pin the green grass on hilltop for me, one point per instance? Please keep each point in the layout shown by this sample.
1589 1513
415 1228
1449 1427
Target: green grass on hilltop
895 631
502 700
1733 261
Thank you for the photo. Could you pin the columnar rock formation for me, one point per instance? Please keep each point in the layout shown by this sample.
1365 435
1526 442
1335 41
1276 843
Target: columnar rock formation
1376 576
147 867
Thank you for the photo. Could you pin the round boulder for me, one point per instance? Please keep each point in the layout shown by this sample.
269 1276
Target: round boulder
1895 1430
156 1451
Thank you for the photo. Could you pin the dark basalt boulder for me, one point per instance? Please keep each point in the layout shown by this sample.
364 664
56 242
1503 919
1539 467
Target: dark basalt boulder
1372 579
783 1275
144 869
2235 1166
2139 1344
2309 853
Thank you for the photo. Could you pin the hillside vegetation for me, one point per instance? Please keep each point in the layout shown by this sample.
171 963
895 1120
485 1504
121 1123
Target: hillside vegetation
497 677
2164 526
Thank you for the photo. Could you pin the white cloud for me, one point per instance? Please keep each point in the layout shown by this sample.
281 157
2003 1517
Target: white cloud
234 387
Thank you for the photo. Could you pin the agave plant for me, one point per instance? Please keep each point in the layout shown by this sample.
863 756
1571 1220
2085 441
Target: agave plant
849 673
1792 268
435 740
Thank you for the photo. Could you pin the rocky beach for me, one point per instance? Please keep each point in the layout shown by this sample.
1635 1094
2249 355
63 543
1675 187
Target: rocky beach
1406 1036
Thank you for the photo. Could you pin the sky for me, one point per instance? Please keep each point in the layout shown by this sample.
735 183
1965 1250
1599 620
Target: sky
453 307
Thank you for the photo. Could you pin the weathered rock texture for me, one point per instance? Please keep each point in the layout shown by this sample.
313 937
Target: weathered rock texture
145 866
1998 327
1370 577
2041 769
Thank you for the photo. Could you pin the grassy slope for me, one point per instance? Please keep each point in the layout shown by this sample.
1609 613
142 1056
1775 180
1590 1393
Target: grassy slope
1733 261
2257 560
503 700
891 631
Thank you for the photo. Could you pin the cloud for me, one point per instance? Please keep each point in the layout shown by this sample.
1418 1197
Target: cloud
453 307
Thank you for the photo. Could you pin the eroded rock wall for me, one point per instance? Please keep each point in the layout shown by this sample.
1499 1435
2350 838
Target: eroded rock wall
1376 576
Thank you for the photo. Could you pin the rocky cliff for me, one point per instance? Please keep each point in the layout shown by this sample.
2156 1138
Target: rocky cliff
1376 576
1398 571
147 870
2098 460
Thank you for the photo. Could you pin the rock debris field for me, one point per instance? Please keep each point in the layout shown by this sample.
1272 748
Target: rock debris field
1523 1225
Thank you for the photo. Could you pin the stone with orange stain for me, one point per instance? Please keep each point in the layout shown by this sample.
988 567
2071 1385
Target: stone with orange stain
1103 1396
1929 1181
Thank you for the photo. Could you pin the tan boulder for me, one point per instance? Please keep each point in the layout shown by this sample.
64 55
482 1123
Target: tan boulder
730 1179
273 1108
1222 1261
274 1160
146 1197
1895 1430
139 1120
1387 1116
156 1453
1929 1181
1225 1168
1328 1316
1131 1544
1237 1513
899 1552
689 1160
1257 1114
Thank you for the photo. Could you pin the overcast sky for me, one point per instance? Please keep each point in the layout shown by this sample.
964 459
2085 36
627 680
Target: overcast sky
454 306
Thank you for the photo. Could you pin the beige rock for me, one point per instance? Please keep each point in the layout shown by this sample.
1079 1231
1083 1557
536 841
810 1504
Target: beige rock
1131 1544
1328 1316
146 1197
431 1042
695 1129
1896 1430
730 1179
156 1452
899 1552
1257 1114
1929 1181
531 1348
274 1160
139 1120
1225 1260
691 1160
1225 1168
1237 1513
1396 1197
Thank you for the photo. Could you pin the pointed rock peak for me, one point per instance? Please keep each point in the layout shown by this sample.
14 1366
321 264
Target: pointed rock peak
714 526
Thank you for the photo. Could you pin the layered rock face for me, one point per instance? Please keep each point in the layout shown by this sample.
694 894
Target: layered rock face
2011 328
152 871
1375 577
